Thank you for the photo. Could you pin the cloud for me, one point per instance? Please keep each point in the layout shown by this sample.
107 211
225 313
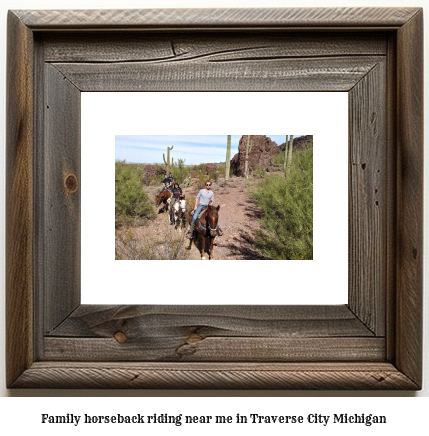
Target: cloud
195 149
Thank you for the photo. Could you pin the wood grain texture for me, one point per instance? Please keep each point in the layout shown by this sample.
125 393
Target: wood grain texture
201 46
368 202
99 321
178 347
61 187
306 74
19 200
215 376
213 333
39 199
410 198
207 18
391 191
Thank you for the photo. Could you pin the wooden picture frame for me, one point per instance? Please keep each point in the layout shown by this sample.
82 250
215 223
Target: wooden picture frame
373 342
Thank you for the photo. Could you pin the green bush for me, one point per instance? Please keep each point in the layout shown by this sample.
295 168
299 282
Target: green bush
259 172
287 206
214 176
198 170
202 179
190 203
156 178
221 170
279 160
131 200
180 171
186 183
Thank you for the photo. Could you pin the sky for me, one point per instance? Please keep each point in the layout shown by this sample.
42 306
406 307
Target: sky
195 149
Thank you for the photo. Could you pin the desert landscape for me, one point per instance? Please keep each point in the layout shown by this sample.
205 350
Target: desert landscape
258 200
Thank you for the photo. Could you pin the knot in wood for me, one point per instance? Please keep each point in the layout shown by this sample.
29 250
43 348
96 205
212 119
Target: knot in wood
193 338
71 183
120 337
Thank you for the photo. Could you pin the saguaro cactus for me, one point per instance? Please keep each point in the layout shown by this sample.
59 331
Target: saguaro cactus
246 162
228 157
286 152
167 162
288 155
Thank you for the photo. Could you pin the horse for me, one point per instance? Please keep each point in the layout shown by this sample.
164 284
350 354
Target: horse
206 226
162 198
177 214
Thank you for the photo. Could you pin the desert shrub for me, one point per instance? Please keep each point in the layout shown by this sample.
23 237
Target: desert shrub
259 172
180 171
214 175
187 182
160 169
279 160
201 167
190 203
156 178
202 179
198 170
131 200
221 170
168 247
287 206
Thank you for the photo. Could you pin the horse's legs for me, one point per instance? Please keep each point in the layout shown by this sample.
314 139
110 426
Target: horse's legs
203 247
190 244
211 248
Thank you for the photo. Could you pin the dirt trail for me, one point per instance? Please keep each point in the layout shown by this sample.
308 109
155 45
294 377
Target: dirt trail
238 218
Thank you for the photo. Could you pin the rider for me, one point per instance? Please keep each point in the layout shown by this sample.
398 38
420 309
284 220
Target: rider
171 180
172 183
176 190
204 198
165 183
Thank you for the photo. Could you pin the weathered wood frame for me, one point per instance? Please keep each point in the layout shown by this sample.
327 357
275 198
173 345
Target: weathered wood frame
374 342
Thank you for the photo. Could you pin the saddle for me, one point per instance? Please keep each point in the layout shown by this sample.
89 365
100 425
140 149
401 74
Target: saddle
201 213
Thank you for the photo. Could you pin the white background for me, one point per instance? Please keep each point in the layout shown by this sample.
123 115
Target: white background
322 114
407 415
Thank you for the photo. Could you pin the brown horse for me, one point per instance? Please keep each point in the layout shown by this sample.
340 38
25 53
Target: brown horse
206 226
162 199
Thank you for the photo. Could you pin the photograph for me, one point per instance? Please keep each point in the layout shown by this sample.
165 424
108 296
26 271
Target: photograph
215 197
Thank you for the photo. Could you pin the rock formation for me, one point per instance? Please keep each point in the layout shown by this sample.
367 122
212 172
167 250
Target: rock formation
300 143
261 155
149 172
210 168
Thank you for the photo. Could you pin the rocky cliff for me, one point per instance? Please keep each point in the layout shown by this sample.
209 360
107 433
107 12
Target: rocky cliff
261 155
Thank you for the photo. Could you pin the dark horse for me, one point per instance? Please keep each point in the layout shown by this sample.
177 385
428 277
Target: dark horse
206 226
162 199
